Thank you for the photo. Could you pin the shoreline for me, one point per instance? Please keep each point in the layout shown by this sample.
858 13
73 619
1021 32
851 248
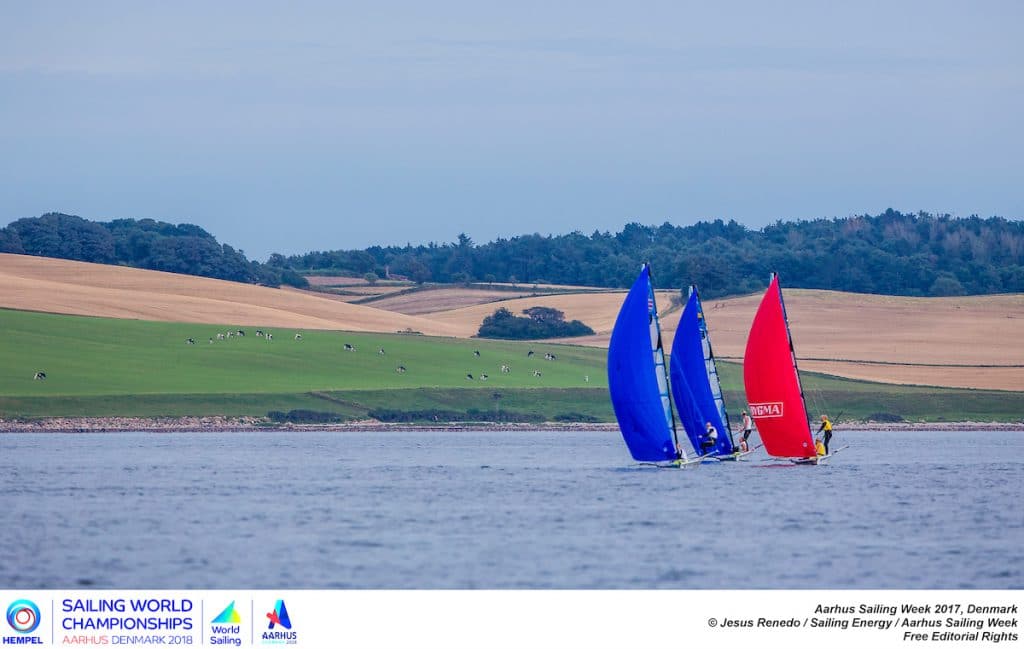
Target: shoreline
251 424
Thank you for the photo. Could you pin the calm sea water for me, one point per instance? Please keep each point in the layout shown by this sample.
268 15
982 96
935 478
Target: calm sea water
503 510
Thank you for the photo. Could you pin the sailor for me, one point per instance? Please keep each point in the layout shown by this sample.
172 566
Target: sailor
826 427
743 445
748 426
711 438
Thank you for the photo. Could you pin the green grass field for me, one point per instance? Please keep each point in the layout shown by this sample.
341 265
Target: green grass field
107 367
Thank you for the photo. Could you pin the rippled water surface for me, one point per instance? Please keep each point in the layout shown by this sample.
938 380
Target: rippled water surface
504 510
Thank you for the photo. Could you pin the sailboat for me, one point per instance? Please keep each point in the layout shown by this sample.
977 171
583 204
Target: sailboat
772 381
696 388
638 380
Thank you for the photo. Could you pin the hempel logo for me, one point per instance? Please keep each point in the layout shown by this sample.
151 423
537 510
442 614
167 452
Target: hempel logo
770 409
23 616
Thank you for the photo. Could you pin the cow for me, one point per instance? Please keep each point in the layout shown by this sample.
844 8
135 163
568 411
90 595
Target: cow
529 353
211 341
505 369
586 378
469 377
349 348
537 373
190 341
220 336
483 377
400 369
270 336
241 332
298 336
476 352
381 351
259 333
40 376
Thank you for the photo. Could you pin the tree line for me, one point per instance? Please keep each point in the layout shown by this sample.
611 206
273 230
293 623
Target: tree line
186 249
890 253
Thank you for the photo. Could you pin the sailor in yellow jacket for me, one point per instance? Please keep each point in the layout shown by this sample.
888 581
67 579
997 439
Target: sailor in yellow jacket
826 427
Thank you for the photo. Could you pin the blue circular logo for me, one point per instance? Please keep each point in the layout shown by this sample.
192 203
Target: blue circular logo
23 616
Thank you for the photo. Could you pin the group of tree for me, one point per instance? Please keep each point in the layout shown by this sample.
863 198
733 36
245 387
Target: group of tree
891 253
540 322
185 248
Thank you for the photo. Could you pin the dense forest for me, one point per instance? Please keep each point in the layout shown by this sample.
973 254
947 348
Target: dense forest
892 253
186 249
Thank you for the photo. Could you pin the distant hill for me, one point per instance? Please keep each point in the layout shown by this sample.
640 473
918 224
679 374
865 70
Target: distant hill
155 245
891 254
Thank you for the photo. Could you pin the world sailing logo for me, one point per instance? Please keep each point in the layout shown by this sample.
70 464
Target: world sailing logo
226 628
228 616
770 409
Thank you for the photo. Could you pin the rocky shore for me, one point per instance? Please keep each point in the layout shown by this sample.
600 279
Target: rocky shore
241 424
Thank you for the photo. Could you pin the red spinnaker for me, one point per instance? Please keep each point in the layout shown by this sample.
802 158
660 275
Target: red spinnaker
772 384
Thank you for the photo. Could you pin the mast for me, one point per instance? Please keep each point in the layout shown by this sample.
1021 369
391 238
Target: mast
659 359
712 366
792 350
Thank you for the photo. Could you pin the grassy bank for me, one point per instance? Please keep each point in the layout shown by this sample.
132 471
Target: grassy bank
106 367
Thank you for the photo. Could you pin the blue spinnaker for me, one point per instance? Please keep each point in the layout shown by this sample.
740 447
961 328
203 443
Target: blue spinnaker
695 385
635 359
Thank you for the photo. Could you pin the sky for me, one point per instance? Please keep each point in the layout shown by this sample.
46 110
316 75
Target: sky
290 127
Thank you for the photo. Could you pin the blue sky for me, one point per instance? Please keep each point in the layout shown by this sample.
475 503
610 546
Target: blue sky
290 127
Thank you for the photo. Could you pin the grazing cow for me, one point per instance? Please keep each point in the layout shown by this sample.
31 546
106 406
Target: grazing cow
529 353
190 341
298 336
211 341
40 376
469 377
241 332
349 348
270 336
505 369
554 358
231 334
381 351
537 373
259 332
476 352
586 378
483 377
220 336
400 369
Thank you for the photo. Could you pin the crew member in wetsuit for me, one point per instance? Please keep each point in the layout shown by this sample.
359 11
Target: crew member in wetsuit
826 427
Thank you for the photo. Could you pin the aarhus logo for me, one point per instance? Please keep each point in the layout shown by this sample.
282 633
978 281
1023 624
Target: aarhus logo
23 616
279 618
771 409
